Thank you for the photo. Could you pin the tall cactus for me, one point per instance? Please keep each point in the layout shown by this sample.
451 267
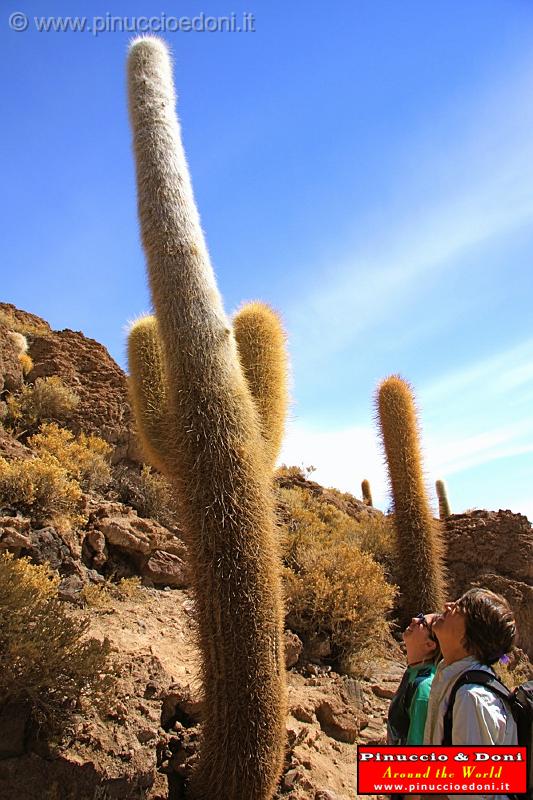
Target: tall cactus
216 460
261 345
442 496
367 494
420 546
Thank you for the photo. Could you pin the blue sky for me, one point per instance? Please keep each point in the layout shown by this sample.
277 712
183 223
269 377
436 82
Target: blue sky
366 167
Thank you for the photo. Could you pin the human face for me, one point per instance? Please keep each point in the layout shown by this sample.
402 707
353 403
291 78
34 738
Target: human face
418 638
449 628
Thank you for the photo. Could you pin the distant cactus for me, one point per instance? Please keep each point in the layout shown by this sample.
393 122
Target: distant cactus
147 388
420 547
216 461
261 345
442 495
20 344
367 494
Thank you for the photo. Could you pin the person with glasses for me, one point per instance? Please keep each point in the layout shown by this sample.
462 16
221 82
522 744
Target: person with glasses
408 708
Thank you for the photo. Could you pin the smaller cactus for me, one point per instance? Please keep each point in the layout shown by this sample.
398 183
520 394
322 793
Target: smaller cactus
367 494
27 363
442 495
261 345
19 341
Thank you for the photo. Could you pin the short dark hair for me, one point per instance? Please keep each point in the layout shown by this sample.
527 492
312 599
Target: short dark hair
490 626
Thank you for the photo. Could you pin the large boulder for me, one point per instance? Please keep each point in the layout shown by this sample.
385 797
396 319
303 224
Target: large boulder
159 555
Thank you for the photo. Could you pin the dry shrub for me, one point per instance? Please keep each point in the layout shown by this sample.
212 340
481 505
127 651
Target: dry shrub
85 457
47 400
41 489
45 657
332 588
375 535
147 492
284 471
101 595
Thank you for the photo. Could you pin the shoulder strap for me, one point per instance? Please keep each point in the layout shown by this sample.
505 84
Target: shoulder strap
481 677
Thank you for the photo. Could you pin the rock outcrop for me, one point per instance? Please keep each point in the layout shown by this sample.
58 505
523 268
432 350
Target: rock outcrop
117 537
85 366
494 549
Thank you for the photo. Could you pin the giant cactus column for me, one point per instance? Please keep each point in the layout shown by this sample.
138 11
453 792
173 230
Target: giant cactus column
215 456
420 545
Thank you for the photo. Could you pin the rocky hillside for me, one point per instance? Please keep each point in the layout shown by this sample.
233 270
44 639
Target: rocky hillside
123 566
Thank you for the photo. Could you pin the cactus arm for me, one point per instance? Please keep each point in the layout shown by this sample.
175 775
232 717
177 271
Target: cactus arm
420 544
216 462
148 390
261 344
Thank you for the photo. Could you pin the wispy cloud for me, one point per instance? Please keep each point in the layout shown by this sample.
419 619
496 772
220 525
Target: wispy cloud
479 189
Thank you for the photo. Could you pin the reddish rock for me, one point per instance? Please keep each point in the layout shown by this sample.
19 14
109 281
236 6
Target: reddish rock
14 534
165 569
494 549
293 649
486 542
339 720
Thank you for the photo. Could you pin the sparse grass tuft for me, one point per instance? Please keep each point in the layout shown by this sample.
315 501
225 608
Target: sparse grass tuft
24 326
101 595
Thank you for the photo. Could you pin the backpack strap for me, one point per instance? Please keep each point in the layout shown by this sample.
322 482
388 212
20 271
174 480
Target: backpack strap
480 677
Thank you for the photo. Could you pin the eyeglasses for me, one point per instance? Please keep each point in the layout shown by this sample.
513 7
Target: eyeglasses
426 625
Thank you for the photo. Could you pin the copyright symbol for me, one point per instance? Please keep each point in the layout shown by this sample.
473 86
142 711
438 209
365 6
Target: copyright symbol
18 21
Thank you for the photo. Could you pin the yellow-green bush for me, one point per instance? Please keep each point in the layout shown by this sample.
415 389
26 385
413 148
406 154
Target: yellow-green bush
40 488
85 457
332 587
47 400
45 657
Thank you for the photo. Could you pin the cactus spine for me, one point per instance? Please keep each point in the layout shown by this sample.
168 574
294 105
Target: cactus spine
261 345
216 460
420 547
367 494
442 496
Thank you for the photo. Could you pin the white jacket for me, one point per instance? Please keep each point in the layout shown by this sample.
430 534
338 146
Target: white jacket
479 716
